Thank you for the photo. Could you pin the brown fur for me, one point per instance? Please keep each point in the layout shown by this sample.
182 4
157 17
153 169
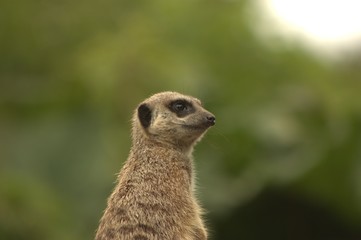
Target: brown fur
154 197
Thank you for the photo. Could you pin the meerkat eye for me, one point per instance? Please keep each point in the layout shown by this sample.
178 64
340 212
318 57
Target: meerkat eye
181 107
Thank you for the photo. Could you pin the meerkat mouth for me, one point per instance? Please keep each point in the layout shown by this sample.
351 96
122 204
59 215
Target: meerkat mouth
211 121
197 127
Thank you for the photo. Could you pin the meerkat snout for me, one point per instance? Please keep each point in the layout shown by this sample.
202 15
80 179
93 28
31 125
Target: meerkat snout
211 120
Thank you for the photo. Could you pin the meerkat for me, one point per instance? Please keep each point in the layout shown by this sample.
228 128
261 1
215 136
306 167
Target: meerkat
155 193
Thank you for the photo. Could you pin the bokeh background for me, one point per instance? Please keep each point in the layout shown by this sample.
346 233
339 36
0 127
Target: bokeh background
283 161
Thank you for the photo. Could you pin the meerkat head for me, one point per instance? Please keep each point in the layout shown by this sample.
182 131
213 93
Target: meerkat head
172 118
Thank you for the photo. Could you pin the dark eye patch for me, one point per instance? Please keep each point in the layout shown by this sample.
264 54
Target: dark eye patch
181 107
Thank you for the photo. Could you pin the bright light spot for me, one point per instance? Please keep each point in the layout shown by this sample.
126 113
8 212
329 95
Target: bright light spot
336 23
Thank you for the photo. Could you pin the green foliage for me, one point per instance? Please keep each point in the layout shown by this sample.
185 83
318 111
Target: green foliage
288 125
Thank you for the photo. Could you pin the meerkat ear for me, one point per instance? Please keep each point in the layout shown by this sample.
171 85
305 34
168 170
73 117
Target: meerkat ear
144 115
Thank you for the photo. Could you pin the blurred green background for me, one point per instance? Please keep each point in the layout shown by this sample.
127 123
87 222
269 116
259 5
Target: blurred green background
283 161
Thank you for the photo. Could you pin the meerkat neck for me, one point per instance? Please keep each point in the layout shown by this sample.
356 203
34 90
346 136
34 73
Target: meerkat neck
171 153
174 163
142 141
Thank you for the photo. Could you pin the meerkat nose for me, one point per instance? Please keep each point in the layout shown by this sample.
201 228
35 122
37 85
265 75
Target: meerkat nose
211 120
